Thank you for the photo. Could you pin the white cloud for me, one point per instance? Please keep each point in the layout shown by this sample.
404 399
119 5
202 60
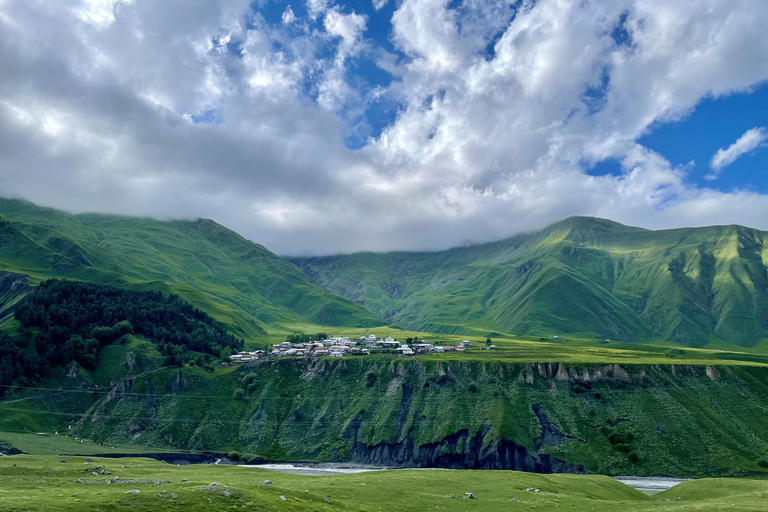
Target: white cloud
349 27
724 157
491 136
316 7
379 4
288 16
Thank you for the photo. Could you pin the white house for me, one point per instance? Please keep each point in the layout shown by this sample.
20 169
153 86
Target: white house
439 349
336 354
405 349
466 343
389 338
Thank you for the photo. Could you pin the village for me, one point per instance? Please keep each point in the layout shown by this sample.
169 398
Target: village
341 346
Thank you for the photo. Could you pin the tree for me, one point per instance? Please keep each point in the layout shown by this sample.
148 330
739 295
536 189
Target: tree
488 342
70 320
123 328
225 353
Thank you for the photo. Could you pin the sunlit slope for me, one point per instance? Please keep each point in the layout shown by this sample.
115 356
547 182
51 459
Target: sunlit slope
581 275
238 281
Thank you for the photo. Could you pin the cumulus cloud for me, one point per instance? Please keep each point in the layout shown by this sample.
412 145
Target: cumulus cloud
748 142
205 108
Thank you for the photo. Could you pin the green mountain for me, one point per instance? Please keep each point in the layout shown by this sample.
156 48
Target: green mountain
235 280
581 276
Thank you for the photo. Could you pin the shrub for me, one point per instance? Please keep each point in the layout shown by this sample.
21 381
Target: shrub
763 463
474 388
239 393
234 455
623 448
578 389
633 457
598 395
370 379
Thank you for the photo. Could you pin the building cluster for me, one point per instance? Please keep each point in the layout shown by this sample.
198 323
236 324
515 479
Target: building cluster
340 346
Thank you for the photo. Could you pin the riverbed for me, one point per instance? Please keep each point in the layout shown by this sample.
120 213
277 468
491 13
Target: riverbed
647 485
650 485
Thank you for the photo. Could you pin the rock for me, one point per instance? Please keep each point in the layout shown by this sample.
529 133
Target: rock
226 494
283 497
94 473
132 491
213 484
266 482
62 460
712 373
185 480
513 499
105 472
470 495
532 489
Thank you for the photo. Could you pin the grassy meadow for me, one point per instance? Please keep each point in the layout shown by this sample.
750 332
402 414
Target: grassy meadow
553 348
45 483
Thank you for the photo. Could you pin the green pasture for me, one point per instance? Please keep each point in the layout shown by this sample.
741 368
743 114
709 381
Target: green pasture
40 483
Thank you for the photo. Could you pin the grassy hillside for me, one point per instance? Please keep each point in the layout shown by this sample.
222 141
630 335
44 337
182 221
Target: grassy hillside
237 281
680 420
581 276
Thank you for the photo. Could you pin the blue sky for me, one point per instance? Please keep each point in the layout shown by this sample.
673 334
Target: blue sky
716 123
369 125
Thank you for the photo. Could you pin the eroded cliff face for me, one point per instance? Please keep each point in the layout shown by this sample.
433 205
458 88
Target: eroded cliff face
546 417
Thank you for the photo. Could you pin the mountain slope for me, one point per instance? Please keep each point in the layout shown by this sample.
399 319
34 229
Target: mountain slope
581 276
237 281
631 419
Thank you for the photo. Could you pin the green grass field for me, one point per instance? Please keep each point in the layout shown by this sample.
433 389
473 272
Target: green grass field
44 443
45 483
564 348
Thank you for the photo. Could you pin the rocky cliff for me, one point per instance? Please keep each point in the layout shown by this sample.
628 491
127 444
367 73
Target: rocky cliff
637 419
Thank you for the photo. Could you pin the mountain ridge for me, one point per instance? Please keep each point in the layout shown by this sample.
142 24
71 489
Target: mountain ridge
582 275
237 281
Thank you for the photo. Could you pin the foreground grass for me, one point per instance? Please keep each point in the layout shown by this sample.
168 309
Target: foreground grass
33 483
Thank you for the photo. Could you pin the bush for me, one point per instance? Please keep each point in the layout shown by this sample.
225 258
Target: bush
239 393
598 395
623 448
234 455
370 379
578 389
123 328
474 388
763 463
633 457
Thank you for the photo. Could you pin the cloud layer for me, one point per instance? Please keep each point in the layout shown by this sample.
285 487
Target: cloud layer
748 142
495 113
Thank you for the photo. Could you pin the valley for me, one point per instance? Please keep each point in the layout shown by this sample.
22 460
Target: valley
587 349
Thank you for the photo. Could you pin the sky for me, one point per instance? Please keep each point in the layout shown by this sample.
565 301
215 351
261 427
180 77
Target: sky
323 127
